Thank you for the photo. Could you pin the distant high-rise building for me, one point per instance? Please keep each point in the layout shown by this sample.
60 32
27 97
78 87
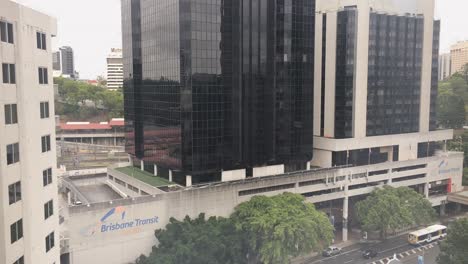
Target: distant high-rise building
219 88
29 221
444 66
459 56
115 69
67 61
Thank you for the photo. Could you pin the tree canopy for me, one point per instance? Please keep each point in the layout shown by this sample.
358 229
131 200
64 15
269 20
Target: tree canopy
280 227
82 100
196 241
389 209
262 230
454 249
452 102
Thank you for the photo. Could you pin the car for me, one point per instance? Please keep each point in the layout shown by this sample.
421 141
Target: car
331 251
369 253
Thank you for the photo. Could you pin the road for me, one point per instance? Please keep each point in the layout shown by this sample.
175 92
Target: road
396 246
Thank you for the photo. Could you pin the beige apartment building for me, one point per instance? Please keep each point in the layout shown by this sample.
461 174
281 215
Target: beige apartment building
459 56
28 187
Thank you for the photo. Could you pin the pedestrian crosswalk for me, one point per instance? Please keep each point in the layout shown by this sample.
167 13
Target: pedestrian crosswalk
405 254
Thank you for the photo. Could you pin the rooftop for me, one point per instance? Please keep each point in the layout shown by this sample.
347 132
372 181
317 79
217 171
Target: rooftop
144 176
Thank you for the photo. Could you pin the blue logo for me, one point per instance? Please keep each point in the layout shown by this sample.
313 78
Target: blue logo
114 220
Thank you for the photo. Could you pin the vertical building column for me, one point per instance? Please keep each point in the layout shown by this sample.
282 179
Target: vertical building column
142 165
361 71
318 73
170 176
188 180
345 218
330 75
156 170
425 99
426 190
345 213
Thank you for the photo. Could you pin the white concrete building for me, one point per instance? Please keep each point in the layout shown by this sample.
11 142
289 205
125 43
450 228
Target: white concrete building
445 67
115 69
28 187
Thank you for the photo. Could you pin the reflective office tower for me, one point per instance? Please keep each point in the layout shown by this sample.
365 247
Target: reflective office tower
115 69
29 221
445 67
218 90
376 89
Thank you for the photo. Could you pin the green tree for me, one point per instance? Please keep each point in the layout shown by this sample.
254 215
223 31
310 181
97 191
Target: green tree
196 241
280 227
450 110
113 102
389 209
454 249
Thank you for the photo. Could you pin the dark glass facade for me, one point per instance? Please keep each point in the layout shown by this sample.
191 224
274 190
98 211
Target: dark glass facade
214 85
345 65
394 80
435 72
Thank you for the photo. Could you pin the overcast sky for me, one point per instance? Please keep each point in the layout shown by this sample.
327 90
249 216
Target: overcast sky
92 28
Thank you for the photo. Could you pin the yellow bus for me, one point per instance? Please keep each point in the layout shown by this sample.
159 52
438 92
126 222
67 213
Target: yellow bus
427 235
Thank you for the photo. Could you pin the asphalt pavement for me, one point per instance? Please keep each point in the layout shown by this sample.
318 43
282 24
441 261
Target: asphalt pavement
397 246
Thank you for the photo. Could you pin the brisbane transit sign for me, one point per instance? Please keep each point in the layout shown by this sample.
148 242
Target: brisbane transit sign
115 221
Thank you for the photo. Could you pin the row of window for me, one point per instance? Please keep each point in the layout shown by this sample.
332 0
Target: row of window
7 35
16 233
14 190
11 112
13 153
9 74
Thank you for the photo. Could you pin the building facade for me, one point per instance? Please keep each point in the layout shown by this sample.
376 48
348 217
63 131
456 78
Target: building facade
29 222
218 87
56 61
459 56
115 70
67 62
375 78
445 66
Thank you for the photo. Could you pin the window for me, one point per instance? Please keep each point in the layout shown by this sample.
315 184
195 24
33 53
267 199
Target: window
19 261
49 241
14 192
47 176
45 143
48 209
6 32
11 114
8 73
16 231
41 41
43 76
13 153
44 110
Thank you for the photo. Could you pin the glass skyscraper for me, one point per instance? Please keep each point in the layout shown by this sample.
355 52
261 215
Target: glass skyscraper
218 85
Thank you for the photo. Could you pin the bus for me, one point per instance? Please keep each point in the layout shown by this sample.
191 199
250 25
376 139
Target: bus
427 235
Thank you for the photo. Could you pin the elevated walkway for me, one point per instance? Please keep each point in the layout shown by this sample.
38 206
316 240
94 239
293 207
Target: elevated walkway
459 197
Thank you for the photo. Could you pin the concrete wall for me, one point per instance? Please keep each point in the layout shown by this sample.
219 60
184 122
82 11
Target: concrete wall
27 93
233 175
268 170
